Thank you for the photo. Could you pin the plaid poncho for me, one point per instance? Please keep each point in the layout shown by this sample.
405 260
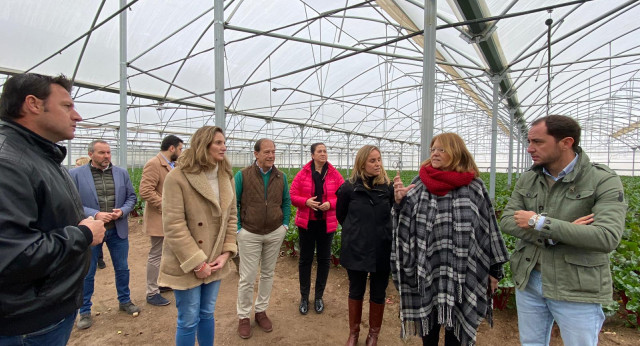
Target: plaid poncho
443 247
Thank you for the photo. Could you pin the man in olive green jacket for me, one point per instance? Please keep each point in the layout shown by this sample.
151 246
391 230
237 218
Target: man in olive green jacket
569 214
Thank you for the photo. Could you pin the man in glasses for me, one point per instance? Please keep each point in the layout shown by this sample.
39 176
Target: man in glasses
44 238
569 213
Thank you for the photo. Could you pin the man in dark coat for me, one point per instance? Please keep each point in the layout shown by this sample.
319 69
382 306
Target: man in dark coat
44 238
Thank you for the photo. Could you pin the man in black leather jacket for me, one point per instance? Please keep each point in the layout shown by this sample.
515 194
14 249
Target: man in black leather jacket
44 241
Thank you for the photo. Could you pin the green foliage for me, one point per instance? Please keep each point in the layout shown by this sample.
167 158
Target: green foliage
510 242
336 244
625 261
135 174
292 237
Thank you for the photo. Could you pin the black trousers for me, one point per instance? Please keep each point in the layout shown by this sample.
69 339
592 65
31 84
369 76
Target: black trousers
314 239
377 285
434 336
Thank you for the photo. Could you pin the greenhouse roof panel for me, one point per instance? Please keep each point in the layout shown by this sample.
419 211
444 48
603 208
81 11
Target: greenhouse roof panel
311 53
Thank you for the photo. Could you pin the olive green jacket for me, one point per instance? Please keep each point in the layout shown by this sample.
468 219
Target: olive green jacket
576 268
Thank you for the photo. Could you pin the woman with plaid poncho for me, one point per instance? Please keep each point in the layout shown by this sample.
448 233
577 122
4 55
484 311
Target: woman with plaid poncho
447 252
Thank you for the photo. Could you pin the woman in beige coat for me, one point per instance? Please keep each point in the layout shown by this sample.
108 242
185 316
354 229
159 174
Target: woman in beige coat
199 220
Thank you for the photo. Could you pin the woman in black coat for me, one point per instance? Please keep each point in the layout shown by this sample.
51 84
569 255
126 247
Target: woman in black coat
364 211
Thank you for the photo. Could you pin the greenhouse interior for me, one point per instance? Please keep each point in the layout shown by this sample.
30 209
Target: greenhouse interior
346 73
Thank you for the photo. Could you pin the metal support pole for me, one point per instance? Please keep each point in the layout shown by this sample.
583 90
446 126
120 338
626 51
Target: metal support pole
494 138
218 50
290 163
122 141
633 164
512 113
400 163
301 146
518 155
428 78
348 152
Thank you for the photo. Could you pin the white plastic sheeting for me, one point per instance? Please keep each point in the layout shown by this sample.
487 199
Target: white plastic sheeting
280 84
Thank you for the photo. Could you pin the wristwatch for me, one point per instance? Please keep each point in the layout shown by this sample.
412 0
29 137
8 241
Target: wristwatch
533 220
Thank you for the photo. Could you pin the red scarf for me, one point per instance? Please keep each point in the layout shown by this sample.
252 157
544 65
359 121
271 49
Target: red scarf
440 182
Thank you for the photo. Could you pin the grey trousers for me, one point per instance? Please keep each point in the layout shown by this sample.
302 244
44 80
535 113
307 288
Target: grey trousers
153 265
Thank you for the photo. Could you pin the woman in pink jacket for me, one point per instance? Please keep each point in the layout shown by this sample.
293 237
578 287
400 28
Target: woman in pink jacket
313 192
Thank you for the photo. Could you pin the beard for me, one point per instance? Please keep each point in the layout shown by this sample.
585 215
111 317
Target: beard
173 157
101 164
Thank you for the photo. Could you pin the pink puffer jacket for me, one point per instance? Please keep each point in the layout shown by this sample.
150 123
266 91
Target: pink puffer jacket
302 189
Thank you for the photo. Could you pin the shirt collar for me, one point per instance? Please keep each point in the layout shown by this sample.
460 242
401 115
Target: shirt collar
261 170
171 163
565 171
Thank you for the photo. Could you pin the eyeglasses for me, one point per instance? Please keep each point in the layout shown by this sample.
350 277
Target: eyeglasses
440 150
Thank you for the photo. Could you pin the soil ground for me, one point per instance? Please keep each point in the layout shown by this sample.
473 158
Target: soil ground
157 325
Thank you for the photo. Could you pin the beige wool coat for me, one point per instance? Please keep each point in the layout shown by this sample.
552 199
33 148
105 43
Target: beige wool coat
153 175
197 227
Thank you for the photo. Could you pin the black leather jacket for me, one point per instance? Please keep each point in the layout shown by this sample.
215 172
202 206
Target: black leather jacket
44 255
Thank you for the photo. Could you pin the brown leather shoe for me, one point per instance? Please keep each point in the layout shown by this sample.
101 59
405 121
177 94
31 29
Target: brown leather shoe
244 328
263 321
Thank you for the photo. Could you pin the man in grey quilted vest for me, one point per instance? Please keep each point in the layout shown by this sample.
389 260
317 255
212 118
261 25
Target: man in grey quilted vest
108 195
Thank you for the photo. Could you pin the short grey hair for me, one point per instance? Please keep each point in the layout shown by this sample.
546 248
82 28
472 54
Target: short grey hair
93 143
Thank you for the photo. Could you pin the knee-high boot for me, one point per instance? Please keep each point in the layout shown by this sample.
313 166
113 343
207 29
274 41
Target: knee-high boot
376 312
355 317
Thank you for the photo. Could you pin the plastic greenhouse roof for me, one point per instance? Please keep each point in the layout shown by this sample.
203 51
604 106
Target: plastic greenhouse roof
341 72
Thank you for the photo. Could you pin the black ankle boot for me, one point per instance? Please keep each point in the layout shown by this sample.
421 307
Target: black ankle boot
304 306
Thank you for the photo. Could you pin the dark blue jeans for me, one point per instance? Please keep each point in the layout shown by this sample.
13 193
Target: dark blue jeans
119 250
56 334
99 248
314 239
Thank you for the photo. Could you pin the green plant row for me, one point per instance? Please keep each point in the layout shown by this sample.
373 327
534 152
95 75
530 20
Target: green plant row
625 261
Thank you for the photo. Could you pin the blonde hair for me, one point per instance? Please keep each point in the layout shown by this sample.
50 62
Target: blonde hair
81 161
197 159
461 159
361 161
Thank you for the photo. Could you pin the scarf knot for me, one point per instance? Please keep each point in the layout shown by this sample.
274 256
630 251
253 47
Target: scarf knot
440 182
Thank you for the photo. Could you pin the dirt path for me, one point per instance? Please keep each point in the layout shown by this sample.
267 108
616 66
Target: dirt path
156 325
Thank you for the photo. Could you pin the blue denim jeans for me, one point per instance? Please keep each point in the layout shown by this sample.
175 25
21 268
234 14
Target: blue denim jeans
579 323
119 250
56 334
195 314
99 249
